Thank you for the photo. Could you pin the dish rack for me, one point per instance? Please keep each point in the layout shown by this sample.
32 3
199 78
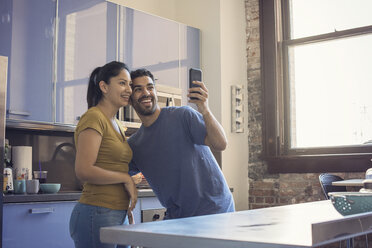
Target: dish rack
347 203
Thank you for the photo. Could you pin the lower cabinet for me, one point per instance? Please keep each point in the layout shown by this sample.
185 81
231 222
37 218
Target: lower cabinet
46 225
37 225
148 209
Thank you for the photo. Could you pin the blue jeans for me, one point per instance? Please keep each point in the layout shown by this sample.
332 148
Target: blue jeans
86 221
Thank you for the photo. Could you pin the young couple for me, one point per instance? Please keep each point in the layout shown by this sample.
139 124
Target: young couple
171 149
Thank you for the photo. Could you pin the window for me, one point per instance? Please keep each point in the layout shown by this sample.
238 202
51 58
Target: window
318 100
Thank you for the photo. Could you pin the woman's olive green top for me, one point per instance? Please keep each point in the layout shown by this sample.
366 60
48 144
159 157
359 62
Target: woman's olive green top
114 154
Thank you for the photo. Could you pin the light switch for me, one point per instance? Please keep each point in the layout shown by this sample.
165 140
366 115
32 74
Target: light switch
237 109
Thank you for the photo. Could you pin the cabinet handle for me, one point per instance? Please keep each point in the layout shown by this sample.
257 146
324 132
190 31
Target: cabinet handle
15 112
41 210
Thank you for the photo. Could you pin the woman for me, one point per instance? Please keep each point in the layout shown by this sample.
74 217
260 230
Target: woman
102 158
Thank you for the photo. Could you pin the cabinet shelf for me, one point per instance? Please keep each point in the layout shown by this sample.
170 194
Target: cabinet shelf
39 126
58 127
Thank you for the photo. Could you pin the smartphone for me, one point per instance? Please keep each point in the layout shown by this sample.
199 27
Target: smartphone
194 75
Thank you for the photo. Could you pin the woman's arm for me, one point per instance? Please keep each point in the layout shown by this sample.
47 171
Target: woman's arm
88 143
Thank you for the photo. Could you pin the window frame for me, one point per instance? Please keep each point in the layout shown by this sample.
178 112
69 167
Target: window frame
274 23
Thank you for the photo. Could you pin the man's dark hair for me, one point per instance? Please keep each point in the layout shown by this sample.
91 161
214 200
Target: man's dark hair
142 73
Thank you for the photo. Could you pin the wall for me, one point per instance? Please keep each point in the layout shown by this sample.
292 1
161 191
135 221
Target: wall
234 72
51 150
223 60
163 8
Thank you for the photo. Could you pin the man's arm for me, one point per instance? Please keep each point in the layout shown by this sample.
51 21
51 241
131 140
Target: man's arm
215 138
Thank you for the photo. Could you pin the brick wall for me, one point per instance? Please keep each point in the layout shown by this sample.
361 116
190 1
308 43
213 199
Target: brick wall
266 190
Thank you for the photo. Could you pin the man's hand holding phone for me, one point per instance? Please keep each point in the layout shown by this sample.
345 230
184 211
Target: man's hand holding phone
198 93
194 75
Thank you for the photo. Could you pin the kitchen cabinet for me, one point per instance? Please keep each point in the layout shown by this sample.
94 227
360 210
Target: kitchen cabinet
27 36
145 204
53 49
42 220
37 225
151 42
86 39
174 47
189 56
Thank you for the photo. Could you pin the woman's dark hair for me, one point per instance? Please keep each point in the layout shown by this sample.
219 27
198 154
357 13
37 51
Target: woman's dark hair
141 73
104 73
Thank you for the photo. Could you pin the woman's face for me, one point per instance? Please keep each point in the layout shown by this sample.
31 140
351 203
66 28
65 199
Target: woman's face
119 89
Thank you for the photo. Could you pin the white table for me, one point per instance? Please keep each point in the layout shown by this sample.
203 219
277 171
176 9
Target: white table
299 225
349 182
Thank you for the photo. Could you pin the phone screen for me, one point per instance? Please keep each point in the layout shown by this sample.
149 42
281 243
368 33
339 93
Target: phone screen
194 75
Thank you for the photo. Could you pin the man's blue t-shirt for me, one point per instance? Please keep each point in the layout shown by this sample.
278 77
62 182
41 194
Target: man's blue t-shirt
181 170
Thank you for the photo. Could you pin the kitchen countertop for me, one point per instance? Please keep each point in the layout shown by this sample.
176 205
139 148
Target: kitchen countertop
309 224
60 196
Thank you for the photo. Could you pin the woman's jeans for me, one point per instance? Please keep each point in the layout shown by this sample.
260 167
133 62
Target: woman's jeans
86 221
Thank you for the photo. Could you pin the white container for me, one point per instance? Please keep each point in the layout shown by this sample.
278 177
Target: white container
369 173
32 186
22 162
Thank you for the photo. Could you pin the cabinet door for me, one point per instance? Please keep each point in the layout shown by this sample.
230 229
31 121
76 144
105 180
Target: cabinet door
150 42
37 225
136 212
189 56
27 34
145 203
150 203
86 39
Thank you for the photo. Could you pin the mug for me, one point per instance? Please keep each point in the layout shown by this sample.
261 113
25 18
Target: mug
32 186
19 186
369 173
41 176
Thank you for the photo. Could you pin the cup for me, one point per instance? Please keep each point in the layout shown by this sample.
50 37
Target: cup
41 176
369 173
19 186
32 186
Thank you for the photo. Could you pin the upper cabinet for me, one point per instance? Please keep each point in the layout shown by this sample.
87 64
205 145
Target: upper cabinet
167 48
27 36
86 39
189 56
150 42
54 45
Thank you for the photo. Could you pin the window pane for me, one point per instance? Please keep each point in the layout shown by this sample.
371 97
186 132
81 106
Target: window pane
315 17
331 92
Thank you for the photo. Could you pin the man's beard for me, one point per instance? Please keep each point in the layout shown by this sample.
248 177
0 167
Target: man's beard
144 111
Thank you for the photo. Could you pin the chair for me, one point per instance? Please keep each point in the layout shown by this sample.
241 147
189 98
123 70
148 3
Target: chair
326 180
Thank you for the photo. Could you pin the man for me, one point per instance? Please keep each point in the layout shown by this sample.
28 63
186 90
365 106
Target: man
172 150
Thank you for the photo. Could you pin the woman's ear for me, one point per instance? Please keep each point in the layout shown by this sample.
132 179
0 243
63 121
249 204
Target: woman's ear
103 86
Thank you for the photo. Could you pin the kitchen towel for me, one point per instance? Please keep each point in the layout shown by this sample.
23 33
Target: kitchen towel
22 162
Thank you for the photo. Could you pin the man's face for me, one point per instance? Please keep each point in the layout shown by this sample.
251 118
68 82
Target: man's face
143 98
